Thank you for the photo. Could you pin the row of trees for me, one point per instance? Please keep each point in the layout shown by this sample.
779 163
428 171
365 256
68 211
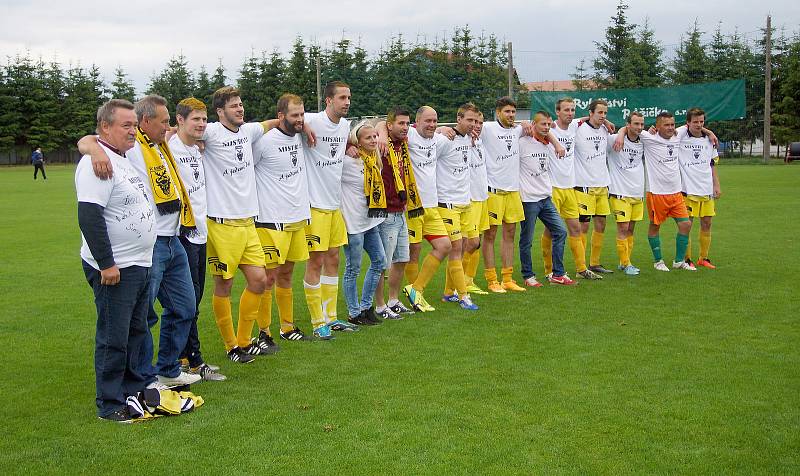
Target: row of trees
44 104
631 57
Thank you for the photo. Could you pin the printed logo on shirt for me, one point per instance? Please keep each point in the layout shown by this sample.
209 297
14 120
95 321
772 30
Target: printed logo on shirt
195 170
508 143
670 149
239 152
293 155
334 149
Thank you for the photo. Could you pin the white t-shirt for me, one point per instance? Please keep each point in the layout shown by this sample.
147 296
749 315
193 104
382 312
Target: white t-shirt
501 146
130 221
324 160
661 163
166 225
281 178
590 156
190 168
626 168
535 158
696 156
452 169
422 153
354 202
230 178
478 183
562 171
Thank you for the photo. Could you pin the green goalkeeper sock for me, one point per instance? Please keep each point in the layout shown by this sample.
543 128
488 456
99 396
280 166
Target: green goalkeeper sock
681 243
655 245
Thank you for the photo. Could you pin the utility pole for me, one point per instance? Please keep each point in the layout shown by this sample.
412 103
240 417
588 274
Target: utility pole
319 87
510 72
768 90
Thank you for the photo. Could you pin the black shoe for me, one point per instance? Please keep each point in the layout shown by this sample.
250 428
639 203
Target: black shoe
370 315
238 355
119 416
266 344
360 320
599 269
399 308
294 334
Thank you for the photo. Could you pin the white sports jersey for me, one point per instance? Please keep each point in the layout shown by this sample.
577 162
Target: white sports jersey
452 169
562 171
535 158
190 168
130 221
626 168
696 158
422 153
281 178
590 156
661 163
478 183
354 202
166 225
230 178
501 146
324 160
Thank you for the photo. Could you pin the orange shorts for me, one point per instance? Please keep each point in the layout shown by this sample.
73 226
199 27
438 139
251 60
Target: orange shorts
661 207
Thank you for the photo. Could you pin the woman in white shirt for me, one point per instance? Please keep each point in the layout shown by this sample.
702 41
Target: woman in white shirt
364 208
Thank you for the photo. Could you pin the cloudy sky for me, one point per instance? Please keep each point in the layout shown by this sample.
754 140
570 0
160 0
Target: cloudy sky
549 37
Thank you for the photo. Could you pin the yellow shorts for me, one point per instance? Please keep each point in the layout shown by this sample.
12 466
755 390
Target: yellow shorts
627 208
593 202
456 221
700 206
566 202
505 207
326 230
230 244
287 244
478 220
429 224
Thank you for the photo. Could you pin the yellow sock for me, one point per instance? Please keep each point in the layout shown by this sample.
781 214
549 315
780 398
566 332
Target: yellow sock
688 254
630 247
622 251
507 274
455 270
330 296
412 271
283 297
448 281
429 266
583 240
222 314
705 244
576 245
547 253
314 303
471 266
265 311
597 248
490 275
248 313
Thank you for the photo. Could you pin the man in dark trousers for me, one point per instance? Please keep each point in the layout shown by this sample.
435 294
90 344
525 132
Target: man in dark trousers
37 159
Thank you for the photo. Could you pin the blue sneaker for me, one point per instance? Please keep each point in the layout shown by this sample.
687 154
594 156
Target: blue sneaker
631 270
323 332
450 297
467 304
341 326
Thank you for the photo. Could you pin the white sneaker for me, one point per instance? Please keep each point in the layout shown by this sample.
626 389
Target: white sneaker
533 283
183 378
660 266
683 265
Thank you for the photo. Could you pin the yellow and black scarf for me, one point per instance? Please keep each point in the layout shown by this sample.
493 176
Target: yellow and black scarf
162 179
409 187
373 184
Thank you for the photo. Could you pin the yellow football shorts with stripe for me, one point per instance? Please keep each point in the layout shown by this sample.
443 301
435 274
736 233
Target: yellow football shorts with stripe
566 202
456 221
287 244
700 206
627 209
478 219
504 207
326 230
230 244
594 201
428 224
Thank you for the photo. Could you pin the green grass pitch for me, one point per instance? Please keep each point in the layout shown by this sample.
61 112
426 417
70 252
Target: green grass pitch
660 373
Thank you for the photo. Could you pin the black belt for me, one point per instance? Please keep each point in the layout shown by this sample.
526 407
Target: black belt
582 189
221 221
450 205
495 190
275 226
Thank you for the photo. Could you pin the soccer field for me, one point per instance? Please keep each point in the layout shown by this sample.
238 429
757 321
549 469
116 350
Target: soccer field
659 373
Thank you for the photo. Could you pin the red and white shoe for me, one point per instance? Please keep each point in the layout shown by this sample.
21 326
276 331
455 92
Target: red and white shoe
705 263
563 280
532 282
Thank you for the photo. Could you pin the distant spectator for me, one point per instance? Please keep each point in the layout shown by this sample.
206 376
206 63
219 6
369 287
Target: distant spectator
37 159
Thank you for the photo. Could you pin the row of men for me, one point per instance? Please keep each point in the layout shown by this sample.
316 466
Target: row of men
308 199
